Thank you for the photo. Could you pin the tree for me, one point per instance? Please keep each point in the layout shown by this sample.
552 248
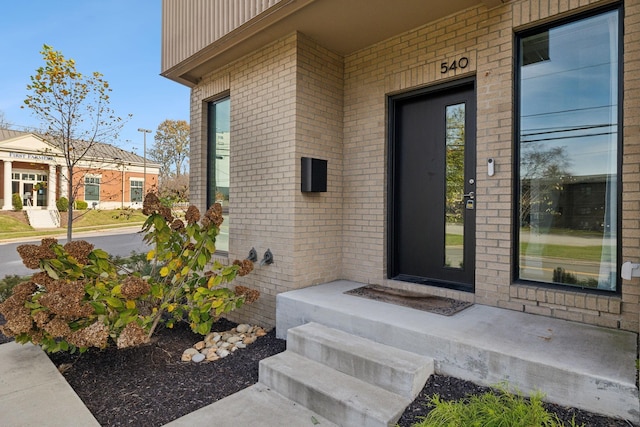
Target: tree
455 146
171 148
4 124
543 171
75 112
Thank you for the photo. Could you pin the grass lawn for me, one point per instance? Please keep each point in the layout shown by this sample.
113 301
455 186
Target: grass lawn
10 224
13 226
586 253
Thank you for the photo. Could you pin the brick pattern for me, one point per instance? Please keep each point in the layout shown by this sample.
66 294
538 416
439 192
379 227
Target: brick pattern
293 98
286 102
411 61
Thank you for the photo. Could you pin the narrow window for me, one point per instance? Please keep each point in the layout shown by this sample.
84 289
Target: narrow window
568 153
136 190
218 163
91 189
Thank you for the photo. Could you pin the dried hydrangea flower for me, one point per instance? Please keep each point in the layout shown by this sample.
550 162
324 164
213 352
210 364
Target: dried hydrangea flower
250 295
42 279
57 328
41 318
30 255
166 213
193 215
66 299
246 267
24 289
213 216
177 225
79 249
131 336
134 287
151 204
94 335
18 325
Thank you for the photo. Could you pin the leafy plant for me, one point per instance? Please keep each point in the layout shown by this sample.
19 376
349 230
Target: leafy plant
495 408
81 298
81 205
188 285
62 204
16 201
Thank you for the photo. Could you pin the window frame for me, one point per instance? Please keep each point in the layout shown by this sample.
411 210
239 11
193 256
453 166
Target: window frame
518 35
210 157
96 184
137 187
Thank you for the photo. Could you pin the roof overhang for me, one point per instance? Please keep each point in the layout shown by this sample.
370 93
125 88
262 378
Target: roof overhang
342 26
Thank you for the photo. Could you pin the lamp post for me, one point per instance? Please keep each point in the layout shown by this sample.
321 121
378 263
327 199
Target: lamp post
144 158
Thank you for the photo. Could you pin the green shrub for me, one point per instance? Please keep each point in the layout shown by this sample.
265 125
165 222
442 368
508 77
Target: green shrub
81 298
62 204
8 283
16 200
495 408
81 205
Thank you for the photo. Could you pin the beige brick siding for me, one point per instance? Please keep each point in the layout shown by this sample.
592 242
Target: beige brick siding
286 103
410 61
294 98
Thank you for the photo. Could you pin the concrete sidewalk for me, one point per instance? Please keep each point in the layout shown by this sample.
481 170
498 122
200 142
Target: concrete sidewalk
34 393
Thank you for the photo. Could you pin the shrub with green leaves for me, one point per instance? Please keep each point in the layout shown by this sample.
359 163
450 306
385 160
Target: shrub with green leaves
81 205
81 298
16 201
62 204
188 285
494 408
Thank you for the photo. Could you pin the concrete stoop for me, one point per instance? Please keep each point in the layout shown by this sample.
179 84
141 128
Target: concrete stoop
348 380
573 364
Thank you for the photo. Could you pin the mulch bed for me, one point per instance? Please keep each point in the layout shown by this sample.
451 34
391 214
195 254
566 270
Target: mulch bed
150 386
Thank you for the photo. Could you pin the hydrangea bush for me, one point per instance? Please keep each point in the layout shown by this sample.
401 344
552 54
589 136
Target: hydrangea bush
81 299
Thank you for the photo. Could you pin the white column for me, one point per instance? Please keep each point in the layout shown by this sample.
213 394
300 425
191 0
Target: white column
52 185
64 178
8 202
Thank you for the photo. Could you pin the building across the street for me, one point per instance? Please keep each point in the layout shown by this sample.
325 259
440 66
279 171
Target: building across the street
107 177
485 150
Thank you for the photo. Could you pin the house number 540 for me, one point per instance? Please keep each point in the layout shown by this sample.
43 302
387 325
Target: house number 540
462 63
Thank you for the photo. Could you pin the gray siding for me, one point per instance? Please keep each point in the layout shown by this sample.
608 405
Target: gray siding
190 25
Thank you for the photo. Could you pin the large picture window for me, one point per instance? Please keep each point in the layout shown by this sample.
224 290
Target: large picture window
567 134
218 163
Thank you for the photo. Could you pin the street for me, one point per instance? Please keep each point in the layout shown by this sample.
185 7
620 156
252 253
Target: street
115 242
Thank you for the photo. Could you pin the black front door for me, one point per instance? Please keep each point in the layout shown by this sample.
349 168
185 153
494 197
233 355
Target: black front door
432 197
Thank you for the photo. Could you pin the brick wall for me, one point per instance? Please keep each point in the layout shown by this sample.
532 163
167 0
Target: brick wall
286 102
410 61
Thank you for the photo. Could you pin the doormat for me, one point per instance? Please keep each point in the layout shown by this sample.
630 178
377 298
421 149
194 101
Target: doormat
430 303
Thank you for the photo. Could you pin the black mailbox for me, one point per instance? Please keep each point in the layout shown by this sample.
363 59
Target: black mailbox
314 175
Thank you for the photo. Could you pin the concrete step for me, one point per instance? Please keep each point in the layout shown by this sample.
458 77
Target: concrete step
573 364
339 397
42 218
254 406
392 369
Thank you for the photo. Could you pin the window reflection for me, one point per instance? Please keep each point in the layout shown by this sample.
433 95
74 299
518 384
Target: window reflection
568 153
454 206
218 163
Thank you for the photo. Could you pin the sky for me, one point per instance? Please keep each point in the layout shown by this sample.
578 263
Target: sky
118 38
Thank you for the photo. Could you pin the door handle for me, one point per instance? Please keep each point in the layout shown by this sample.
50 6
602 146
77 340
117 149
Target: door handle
470 195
